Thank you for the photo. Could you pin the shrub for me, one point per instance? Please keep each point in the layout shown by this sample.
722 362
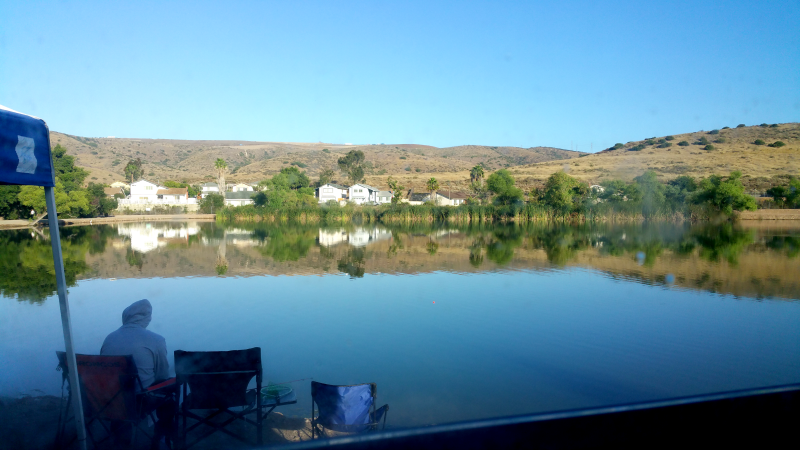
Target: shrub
759 142
402 157
637 148
650 142
774 125
670 138
325 150
709 147
726 128
299 164
713 132
417 170
661 141
407 169
777 144
286 162
617 146
665 145
702 141
720 140
763 125
683 143
741 125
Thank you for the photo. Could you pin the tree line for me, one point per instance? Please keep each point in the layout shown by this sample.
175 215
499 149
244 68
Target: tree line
72 198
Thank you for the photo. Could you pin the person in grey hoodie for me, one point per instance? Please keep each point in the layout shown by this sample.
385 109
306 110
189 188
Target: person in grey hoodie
149 351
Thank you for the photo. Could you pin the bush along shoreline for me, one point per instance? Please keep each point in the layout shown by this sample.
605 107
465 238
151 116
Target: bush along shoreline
562 199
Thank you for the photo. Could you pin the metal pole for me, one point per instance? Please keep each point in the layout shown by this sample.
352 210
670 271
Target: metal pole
61 282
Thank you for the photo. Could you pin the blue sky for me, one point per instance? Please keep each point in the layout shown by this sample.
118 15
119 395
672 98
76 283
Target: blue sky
564 74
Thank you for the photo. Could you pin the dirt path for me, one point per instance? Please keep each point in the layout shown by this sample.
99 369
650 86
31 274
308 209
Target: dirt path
20 224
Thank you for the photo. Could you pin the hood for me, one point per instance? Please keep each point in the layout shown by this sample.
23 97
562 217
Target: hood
138 313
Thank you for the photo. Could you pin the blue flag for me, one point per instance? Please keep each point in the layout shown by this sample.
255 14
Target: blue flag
24 150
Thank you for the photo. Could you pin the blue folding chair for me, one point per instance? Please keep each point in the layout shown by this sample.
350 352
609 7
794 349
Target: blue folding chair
345 408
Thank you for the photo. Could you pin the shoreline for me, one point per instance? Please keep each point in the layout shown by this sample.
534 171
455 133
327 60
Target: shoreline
770 214
22 224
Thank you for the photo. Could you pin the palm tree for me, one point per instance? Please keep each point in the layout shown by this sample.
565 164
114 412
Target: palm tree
476 173
221 165
433 186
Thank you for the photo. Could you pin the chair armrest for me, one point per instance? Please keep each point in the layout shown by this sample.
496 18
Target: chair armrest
163 385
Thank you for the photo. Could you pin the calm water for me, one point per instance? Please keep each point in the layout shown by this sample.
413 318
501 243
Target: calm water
451 324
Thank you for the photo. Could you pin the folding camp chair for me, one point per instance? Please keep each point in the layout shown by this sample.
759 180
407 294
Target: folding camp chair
113 396
218 381
345 408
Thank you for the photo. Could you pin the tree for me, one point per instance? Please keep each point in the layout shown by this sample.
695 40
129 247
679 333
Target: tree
350 165
617 191
502 184
260 199
397 190
433 186
294 178
786 196
68 204
134 170
211 202
724 195
70 175
652 190
326 176
221 167
99 203
10 207
476 174
563 193
479 192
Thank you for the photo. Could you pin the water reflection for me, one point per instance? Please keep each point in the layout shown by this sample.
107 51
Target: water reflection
719 258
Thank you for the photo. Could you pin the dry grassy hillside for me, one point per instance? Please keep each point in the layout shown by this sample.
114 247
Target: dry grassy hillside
760 164
734 149
193 161
412 165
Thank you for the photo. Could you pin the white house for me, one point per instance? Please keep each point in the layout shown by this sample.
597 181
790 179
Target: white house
451 199
239 198
209 188
363 193
416 198
241 187
143 191
384 197
174 196
331 191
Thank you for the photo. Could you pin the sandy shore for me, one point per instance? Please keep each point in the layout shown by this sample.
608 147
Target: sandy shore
19 224
31 422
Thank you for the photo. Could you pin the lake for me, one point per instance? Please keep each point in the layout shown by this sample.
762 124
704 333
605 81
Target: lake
451 323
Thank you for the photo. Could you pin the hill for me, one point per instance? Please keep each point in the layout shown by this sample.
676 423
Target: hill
193 161
734 149
412 165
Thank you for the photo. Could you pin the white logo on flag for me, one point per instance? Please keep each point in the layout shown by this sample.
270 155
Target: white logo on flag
27 160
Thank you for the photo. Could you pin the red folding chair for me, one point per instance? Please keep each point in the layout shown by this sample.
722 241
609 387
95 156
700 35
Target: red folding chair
113 396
